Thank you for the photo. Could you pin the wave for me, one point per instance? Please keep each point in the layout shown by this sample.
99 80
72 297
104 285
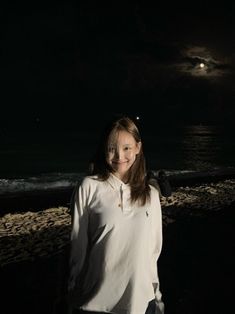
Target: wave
42 182
58 181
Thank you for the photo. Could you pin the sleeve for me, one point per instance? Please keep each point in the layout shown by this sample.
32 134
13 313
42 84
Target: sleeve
79 234
156 250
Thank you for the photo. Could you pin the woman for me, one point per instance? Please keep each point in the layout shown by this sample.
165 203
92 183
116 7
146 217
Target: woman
116 236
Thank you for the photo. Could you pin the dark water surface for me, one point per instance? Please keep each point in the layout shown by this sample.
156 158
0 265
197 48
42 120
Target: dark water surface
33 160
186 148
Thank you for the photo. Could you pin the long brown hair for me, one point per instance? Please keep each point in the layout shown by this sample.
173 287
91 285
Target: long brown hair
137 178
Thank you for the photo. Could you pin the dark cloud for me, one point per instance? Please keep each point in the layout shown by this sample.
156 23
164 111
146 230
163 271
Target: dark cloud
199 61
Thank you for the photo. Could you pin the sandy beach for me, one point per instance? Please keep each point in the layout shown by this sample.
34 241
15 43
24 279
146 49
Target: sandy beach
196 267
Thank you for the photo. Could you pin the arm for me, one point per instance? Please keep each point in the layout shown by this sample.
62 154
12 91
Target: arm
156 250
72 259
79 234
159 305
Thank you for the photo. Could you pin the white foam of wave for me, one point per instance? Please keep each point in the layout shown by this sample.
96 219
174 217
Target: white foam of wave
53 181
39 183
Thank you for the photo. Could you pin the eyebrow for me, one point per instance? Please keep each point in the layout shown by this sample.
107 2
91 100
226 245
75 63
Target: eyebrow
114 145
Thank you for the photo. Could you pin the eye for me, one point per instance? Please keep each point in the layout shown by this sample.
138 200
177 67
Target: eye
110 149
127 148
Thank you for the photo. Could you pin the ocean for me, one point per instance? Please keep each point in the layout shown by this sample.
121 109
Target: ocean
37 160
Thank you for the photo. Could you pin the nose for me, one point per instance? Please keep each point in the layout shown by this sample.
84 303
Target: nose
118 153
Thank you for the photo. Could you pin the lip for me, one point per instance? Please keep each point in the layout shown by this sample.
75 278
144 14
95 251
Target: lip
119 162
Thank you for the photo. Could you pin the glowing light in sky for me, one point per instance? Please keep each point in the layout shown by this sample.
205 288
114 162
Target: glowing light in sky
137 117
199 61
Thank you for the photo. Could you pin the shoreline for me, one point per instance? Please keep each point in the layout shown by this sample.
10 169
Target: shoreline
43 199
34 201
197 178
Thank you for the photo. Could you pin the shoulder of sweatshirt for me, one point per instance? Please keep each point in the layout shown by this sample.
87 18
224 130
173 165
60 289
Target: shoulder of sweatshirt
155 191
155 198
89 183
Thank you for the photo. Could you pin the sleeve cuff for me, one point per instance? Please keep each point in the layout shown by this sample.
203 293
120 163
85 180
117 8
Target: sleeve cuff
159 307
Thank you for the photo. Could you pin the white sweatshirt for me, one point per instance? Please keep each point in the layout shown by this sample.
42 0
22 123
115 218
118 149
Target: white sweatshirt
114 249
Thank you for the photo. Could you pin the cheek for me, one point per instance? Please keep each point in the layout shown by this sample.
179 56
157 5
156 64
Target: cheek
109 158
131 156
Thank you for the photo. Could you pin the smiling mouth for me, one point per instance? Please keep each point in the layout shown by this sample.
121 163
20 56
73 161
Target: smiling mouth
119 162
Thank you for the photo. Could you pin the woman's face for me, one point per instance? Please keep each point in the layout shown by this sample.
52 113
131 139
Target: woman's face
121 153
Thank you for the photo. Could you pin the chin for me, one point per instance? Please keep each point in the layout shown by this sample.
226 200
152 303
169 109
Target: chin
122 171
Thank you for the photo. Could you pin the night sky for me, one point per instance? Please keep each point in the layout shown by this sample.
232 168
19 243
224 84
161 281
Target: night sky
137 57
